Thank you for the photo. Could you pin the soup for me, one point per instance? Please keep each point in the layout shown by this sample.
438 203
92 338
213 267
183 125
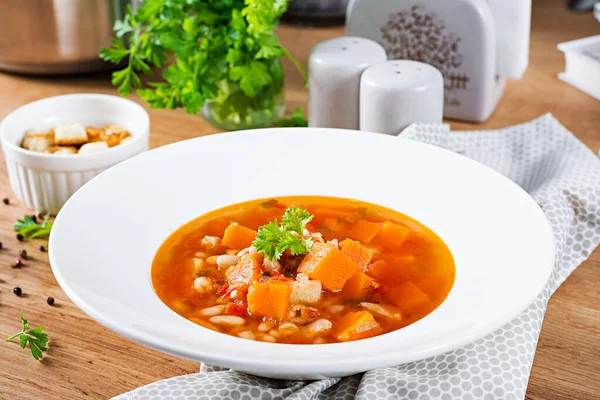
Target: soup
303 270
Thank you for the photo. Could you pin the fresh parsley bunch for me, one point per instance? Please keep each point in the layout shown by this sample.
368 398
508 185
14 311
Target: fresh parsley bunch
219 50
274 238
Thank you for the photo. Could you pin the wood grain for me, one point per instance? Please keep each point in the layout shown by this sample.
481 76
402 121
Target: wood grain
86 360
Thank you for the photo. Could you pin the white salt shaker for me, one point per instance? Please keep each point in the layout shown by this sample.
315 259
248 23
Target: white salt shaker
396 93
335 67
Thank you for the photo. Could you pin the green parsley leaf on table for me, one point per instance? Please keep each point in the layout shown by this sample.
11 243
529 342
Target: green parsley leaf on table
274 239
35 338
30 229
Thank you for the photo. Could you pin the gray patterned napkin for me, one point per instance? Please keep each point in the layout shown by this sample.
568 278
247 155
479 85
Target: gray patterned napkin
563 176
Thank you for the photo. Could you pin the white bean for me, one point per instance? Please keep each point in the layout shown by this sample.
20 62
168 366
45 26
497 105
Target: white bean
288 329
247 335
320 340
269 338
212 311
243 252
265 326
319 327
384 311
227 320
275 333
335 308
226 260
212 260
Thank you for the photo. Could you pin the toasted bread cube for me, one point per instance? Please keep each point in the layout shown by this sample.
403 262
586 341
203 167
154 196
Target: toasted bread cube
94 147
70 134
113 140
116 130
38 139
95 134
61 150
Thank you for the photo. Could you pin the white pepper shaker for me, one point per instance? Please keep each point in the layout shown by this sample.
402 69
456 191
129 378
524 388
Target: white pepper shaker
396 93
335 67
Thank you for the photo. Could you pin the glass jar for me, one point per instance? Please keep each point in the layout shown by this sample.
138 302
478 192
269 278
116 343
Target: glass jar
233 110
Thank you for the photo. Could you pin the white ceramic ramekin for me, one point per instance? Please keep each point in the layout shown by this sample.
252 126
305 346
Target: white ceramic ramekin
44 182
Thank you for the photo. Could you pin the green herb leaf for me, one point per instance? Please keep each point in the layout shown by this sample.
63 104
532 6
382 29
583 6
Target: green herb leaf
296 120
36 339
30 229
274 239
209 42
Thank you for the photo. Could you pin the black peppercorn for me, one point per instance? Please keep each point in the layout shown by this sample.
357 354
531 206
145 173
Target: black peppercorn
5 200
42 249
50 301
20 237
23 254
34 218
0 245
17 291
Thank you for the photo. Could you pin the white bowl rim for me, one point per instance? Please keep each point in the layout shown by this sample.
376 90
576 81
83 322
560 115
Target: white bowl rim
329 367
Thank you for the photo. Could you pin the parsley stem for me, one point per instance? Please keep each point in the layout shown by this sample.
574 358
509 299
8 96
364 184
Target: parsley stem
8 339
301 68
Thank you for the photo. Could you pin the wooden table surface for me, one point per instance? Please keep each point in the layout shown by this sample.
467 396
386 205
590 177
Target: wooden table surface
85 360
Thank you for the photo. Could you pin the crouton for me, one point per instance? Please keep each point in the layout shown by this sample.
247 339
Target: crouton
94 147
95 134
115 134
70 134
61 150
38 139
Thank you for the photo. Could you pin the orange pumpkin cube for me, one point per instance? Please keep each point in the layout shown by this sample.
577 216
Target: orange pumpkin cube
237 236
406 296
364 231
358 287
269 299
357 252
357 325
392 235
328 265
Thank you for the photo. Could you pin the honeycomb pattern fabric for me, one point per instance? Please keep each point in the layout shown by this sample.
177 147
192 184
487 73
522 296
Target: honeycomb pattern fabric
563 176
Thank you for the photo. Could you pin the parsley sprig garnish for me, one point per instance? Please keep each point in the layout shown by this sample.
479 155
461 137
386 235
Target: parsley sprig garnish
36 339
274 238
29 228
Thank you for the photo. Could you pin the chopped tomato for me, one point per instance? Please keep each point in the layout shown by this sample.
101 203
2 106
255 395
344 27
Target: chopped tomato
236 308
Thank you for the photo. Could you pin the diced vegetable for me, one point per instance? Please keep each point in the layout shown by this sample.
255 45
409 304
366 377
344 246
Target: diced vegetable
392 235
406 296
306 292
357 252
358 287
364 231
328 265
235 308
335 224
357 325
269 299
243 273
387 272
237 236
